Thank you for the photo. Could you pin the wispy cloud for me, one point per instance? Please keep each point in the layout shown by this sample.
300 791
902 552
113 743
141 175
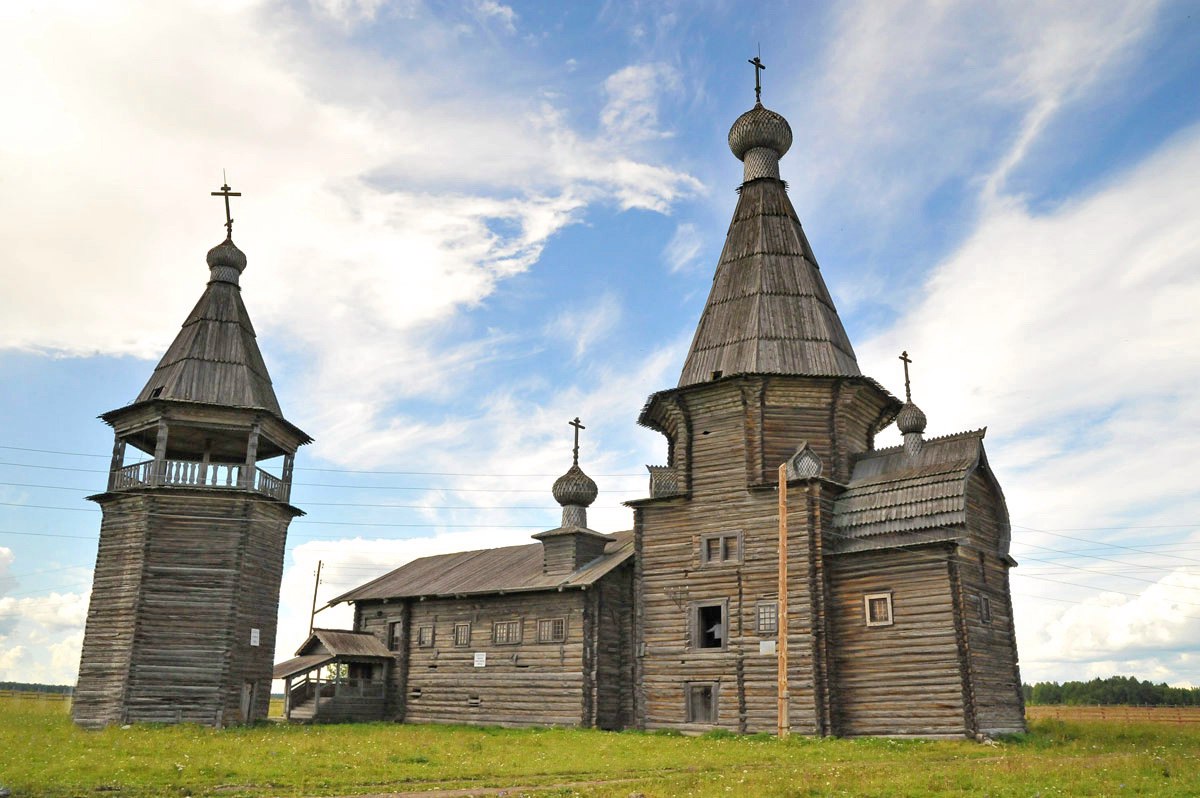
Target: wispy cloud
684 247
633 96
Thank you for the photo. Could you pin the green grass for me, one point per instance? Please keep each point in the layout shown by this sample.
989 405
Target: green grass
43 754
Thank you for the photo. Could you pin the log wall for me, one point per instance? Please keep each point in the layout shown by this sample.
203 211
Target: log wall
906 678
169 632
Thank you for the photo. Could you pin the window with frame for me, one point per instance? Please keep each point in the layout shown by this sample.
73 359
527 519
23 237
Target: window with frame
878 609
985 609
767 617
506 632
721 549
701 701
709 624
395 636
425 636
552 630
462 635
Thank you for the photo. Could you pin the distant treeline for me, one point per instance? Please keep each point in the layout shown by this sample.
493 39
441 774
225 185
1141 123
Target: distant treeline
1113 691
26 687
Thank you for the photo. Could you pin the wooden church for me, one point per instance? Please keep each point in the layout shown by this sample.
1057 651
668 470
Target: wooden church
783 575
185 596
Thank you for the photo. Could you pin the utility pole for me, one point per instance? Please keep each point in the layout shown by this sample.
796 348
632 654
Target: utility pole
316 583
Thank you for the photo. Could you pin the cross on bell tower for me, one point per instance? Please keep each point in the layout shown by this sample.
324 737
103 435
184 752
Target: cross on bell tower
226 193
759 66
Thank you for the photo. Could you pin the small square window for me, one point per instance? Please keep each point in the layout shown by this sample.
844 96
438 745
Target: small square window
767 615
462 635
878 608
552 630
721 549
395 636
506 632
701 702
425 636
709 624
985 609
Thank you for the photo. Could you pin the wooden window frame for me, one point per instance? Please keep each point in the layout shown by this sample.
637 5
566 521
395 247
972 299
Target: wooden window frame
766 630
507 624
891 615
715 712
458 641
422 641
395 640
735 558
551 637
695 634
985 609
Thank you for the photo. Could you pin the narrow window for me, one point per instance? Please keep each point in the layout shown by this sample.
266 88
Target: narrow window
721 549
425 636
506 632
709 625
395 636
474 701
878 607
767 617
701 702
985 609
982 568
462 635
552 630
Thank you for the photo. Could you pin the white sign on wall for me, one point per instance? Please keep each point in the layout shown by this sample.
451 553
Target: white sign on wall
254 637
766 646
480 659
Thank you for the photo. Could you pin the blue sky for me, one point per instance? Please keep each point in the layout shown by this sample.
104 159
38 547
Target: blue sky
468 223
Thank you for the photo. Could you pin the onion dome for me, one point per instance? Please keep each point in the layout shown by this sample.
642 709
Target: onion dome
759 138
226 262
575 488
910 419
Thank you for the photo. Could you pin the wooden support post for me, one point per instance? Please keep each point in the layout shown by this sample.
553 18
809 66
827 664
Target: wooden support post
205 460
160 453
289 463
781 646
251 458
118 460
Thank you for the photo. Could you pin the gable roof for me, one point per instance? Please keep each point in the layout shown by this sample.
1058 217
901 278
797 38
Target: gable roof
215 357
326 645
508 569
769 311
891 491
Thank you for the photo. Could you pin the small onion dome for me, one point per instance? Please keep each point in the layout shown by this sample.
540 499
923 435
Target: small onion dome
910 419
226 255
760 127
575 488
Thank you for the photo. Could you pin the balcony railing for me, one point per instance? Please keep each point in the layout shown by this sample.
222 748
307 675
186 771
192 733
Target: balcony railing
195 474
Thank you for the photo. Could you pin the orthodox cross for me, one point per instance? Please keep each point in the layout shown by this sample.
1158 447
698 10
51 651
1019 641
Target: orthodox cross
759 66
577 427
226 193
907 387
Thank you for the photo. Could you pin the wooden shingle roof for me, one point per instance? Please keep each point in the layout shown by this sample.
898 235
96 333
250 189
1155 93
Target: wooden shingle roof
215 357
769 311
891 491
507 569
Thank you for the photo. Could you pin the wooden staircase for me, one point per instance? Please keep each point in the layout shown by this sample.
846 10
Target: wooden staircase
304 713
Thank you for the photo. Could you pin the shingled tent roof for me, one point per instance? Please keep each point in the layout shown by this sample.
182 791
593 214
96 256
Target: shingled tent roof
508 569
769 311
215 357
891 491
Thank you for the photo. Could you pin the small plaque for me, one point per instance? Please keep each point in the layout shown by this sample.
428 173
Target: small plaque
480 659
766 646
254 637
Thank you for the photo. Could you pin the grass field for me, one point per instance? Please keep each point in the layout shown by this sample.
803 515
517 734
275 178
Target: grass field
43 754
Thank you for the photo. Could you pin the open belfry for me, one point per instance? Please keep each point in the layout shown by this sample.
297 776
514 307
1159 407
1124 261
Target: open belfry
783 575
185 597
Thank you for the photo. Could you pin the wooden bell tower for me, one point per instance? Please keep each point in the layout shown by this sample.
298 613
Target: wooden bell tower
185 597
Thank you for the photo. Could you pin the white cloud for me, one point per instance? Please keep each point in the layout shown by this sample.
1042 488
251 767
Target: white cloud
631 110
587 323
684 247
502 15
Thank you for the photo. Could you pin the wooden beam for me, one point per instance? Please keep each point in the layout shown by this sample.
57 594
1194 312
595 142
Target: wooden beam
781 645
